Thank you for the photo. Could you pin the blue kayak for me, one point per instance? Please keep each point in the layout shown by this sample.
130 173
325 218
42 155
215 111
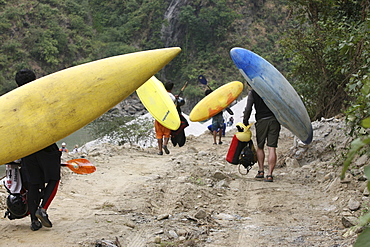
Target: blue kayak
276 92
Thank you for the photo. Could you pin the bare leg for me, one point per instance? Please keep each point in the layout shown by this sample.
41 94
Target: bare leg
165 142
272 160
214 136
220 134
260 158
160 145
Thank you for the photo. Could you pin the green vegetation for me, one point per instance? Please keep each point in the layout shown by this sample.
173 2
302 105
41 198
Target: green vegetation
122 129
48 36
327 43
361 144
321 46
329 49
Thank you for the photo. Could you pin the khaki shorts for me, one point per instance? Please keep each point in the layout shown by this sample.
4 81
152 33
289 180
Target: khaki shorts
267 129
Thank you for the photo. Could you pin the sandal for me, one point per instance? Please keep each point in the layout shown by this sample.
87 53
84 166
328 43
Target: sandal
166 149
269 178
260 174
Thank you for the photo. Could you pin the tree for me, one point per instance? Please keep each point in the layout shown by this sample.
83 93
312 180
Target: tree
330 53
322 63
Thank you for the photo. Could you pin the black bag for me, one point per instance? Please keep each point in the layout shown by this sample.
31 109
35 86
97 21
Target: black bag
16 202
178 136
17 207
248 156
235 149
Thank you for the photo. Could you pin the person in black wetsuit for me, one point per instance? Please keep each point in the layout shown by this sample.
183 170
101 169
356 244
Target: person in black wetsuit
267 128
41 171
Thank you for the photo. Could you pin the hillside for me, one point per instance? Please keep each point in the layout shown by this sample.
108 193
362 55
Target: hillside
48 36
322 47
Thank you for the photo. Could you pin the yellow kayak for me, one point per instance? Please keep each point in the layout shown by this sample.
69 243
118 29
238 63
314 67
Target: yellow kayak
52 107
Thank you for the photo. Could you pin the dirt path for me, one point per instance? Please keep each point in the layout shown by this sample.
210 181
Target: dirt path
191 197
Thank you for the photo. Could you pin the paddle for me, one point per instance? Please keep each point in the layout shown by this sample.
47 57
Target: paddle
80 166
203 81
182 89
180 101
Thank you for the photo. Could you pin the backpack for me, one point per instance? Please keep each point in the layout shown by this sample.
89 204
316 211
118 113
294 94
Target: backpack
248 156
242 153
16 201
17 207
178 136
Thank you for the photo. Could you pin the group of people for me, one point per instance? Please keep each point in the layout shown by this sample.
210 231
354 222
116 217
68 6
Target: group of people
64 148
41 170
267 130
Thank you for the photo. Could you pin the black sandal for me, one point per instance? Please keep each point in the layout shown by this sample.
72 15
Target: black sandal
260 174
269 178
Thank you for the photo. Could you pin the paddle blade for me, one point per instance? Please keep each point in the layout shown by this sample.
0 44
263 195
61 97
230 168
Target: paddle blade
80 166
202 80
229 111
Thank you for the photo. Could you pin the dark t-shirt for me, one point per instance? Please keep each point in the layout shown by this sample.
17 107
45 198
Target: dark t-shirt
262 111
42 166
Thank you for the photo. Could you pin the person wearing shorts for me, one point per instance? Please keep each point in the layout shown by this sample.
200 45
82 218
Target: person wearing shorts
41 172
162 133
217 126
217 123
267 129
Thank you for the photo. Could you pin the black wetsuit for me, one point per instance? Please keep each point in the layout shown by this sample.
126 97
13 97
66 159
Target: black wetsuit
40 168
